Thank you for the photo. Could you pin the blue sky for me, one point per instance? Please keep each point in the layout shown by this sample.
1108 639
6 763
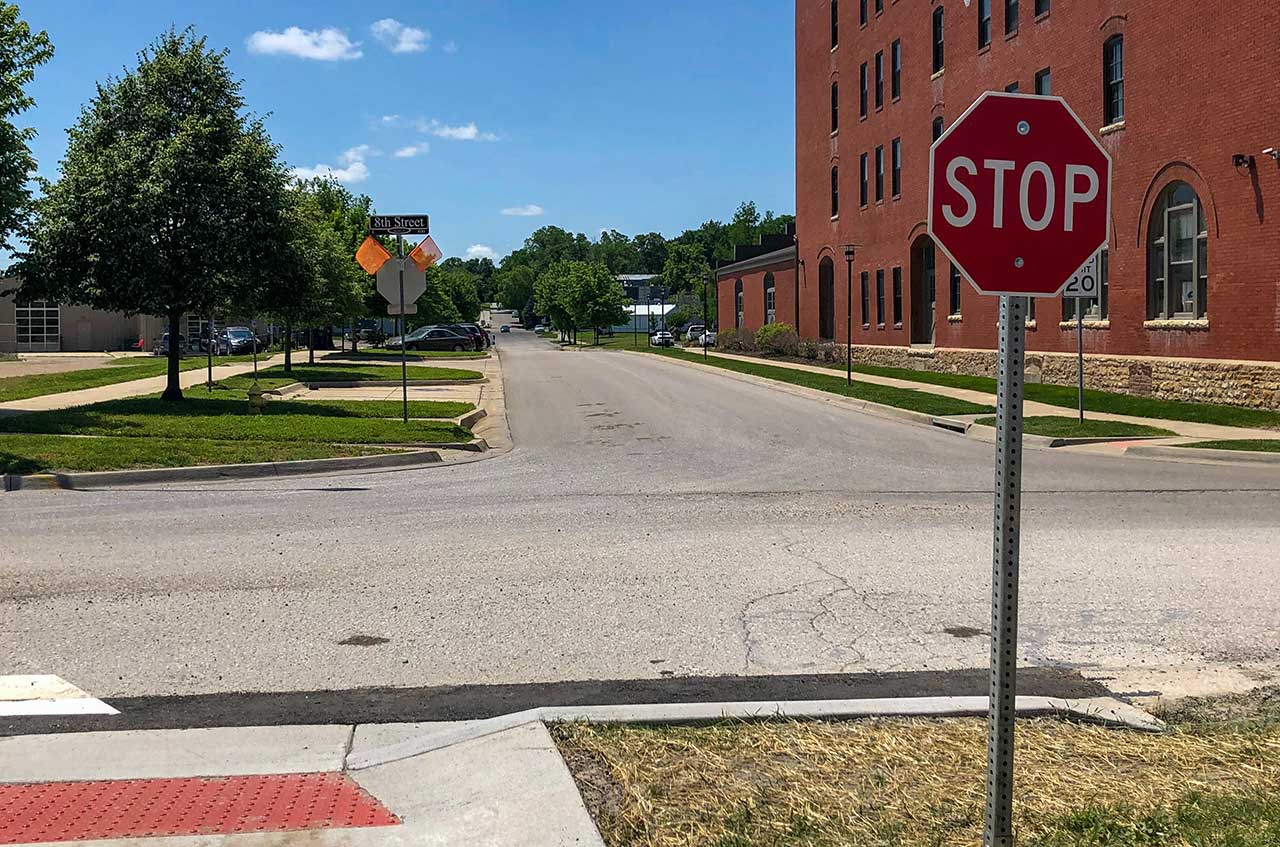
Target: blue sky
586 115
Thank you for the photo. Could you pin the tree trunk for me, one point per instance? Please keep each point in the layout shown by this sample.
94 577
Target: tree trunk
288 347
311 347
173 390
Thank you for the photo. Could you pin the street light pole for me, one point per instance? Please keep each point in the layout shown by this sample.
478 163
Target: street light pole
850 250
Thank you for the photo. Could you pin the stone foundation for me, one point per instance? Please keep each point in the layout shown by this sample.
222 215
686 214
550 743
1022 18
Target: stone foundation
1254 385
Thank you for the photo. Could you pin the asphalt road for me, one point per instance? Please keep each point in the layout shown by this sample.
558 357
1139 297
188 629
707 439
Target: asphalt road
652 521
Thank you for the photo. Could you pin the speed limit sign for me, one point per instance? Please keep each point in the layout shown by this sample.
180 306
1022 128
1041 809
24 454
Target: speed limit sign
1084 284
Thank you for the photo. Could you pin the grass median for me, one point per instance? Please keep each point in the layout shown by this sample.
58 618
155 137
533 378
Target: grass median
123 370
1212 779
1256 445
339 372
384 355
1058 427
901 398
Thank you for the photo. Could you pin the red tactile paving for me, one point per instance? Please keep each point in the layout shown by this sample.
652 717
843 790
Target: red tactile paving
135 808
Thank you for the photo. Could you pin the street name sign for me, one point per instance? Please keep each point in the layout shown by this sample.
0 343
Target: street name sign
1019 194
1020 202
399 225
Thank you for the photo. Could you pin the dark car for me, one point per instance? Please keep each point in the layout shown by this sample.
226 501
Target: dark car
162 346
241 340
479 338
439 338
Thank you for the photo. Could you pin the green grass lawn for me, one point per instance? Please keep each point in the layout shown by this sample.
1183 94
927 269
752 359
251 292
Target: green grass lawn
902 398
1264 445
233 420
354 373
125 370
1095 401
1056 427
28 454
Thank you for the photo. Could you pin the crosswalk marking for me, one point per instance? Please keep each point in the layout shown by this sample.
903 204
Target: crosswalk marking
30 695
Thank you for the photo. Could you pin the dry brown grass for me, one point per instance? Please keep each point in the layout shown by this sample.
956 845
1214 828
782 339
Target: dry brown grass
877 782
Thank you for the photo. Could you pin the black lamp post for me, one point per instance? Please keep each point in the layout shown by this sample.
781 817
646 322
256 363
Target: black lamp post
849 251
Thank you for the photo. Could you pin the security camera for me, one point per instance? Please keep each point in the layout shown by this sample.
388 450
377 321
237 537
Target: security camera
1272 152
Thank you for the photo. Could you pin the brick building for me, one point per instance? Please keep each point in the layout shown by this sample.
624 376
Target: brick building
1181 94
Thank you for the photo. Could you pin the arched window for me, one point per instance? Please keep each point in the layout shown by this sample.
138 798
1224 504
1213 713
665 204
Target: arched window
835 191
835 106
770 298
939 54
937 128
1113 80
737 304
835 23
826 298
1177 256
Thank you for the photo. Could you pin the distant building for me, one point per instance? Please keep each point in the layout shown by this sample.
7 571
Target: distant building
40 327
645 318
639 288
759 286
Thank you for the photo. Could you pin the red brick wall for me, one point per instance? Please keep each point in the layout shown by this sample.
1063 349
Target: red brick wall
784 279
1200 85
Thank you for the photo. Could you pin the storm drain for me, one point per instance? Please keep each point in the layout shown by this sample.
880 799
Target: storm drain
135 808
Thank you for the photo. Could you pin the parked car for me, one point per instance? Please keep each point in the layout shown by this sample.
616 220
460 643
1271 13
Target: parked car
662 338
539 328
707 339
394 342
439 338
479 338
241 340
504 328
162 346
694 332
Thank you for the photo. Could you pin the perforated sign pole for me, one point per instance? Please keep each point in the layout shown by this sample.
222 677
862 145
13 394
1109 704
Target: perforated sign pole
1004 573
404 348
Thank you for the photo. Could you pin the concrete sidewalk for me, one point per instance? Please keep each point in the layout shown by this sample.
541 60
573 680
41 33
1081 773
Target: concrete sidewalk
1031 408
133 388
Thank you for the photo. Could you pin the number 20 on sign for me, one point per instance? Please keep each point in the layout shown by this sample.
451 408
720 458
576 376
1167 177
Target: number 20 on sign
1019 201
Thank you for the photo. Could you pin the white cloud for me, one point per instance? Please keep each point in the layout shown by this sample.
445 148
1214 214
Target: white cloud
463 132
451 47
325 45
482 251
353 170
531 210
390 120
413 150
399 38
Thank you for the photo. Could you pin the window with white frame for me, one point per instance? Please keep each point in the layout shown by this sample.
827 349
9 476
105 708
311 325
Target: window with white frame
38 324
737 301
770 298
1178 256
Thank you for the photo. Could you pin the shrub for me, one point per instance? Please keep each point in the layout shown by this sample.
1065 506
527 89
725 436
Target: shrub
779 339
807 349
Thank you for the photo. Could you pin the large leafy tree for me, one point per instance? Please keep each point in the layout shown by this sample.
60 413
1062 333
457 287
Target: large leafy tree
21 52
596 298
170 196
515 287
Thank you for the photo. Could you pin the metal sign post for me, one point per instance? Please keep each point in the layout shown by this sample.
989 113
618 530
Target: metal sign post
404 348
1004 573
1084 286
1080 301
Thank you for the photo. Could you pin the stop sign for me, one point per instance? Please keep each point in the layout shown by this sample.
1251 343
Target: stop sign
1019 194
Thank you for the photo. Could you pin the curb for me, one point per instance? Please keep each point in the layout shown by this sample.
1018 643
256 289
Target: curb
1204 454
205 473
987 434
472 418
870 408
1105 710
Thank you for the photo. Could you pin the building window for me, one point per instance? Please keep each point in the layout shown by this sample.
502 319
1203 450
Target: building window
826 298
955 290
939 53
862 180
1113 79
937 128
38 325
1042 7
895 183
879 174
897 296
880 297
1044 82
835 24
866 299
1095 307
835 191
879 6
835 107
895 69
770 298
862 91
1012 88
1010 17
984 23
880 80
862 12
737 304
1178 256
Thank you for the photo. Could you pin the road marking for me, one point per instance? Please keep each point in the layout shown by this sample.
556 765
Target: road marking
28 695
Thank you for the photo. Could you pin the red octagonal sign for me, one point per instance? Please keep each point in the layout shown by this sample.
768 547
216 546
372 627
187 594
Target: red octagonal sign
1019 194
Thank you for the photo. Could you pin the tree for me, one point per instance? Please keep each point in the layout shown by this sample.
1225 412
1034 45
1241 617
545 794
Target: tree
347 215
515 287
21 52
461 288
552 297
651 252
617 252
685 270
170 196
596 298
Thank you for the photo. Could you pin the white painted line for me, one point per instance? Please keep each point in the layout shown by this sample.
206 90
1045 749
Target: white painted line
29 695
